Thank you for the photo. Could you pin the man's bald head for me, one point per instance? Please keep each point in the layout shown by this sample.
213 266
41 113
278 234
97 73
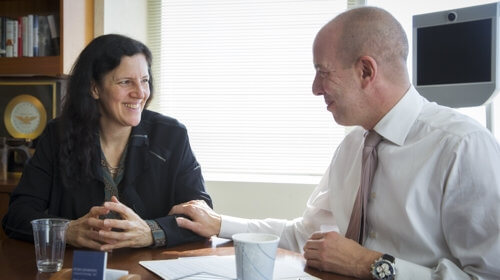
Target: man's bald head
361 59
369 31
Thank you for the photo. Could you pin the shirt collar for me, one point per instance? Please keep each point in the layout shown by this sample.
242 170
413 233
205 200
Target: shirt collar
396 124
139 134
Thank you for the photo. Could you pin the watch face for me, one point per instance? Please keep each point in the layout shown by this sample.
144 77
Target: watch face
25 117
383 270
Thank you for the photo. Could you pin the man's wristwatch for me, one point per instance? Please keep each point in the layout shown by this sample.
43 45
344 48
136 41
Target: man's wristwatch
384 268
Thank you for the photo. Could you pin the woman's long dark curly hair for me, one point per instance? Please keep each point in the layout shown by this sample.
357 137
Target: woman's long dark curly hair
79 152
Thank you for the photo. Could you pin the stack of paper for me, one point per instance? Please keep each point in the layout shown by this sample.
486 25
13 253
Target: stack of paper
215 267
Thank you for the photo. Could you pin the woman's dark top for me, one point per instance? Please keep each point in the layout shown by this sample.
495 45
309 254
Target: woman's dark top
160 172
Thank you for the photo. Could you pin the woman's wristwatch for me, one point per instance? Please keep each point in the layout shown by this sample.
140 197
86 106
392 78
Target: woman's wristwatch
159 238
384 268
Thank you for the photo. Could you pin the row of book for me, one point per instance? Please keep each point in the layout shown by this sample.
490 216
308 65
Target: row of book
30 35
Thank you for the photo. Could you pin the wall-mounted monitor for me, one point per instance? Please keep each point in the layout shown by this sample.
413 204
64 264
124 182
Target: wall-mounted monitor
455 55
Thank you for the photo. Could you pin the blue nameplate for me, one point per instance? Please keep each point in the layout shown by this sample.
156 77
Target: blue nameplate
89 265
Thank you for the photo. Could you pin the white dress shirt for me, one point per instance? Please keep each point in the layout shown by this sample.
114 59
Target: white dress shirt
435 201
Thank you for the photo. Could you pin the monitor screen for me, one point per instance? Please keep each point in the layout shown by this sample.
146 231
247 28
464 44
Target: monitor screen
454 53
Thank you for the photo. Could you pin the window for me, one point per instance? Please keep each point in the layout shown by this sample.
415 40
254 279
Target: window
238 74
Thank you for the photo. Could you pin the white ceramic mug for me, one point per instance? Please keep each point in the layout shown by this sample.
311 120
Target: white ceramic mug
255 255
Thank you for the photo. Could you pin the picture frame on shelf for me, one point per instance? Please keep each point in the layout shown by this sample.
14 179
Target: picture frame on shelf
27 105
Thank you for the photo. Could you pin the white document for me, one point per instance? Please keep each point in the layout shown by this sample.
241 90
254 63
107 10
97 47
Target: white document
214 267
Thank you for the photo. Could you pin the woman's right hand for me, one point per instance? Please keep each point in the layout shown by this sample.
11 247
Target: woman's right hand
84 232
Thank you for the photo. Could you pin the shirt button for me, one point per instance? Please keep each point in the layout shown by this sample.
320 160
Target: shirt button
372 235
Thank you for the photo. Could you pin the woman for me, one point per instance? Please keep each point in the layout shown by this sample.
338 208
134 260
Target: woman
107 164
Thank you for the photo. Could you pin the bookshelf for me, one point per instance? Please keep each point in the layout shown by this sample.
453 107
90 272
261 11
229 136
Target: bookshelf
76 21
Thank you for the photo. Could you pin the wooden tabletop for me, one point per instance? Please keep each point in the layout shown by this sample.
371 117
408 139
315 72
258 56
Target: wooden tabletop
17 258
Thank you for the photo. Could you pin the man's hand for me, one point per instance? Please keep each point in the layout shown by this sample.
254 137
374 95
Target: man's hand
329 251
204 221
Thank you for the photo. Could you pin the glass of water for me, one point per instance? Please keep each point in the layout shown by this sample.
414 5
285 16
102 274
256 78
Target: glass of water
50 243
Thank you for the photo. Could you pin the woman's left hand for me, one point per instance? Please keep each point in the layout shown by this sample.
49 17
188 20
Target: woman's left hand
135 232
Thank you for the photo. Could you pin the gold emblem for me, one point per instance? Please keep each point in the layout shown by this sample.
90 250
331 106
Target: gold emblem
25 117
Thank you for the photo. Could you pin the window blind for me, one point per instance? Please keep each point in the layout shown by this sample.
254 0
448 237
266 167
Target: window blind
238 74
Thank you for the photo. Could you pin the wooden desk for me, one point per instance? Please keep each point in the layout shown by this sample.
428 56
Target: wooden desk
17 258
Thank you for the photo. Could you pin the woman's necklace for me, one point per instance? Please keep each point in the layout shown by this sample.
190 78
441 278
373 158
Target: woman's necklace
111 169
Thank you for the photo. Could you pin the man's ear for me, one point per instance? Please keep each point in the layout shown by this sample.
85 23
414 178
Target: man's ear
367 67
94 90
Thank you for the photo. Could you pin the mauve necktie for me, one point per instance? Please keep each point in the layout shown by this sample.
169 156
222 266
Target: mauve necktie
357 225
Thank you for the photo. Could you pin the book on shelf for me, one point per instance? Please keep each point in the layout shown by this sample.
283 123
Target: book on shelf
30 36
54 32
24 35
14 39
19 36
44 41
35 35
11 30
9 38
3 29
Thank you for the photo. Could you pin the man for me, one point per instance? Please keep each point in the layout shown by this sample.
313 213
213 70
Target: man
433 209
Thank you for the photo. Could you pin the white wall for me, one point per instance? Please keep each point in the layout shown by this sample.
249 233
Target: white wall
126 17
259 200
